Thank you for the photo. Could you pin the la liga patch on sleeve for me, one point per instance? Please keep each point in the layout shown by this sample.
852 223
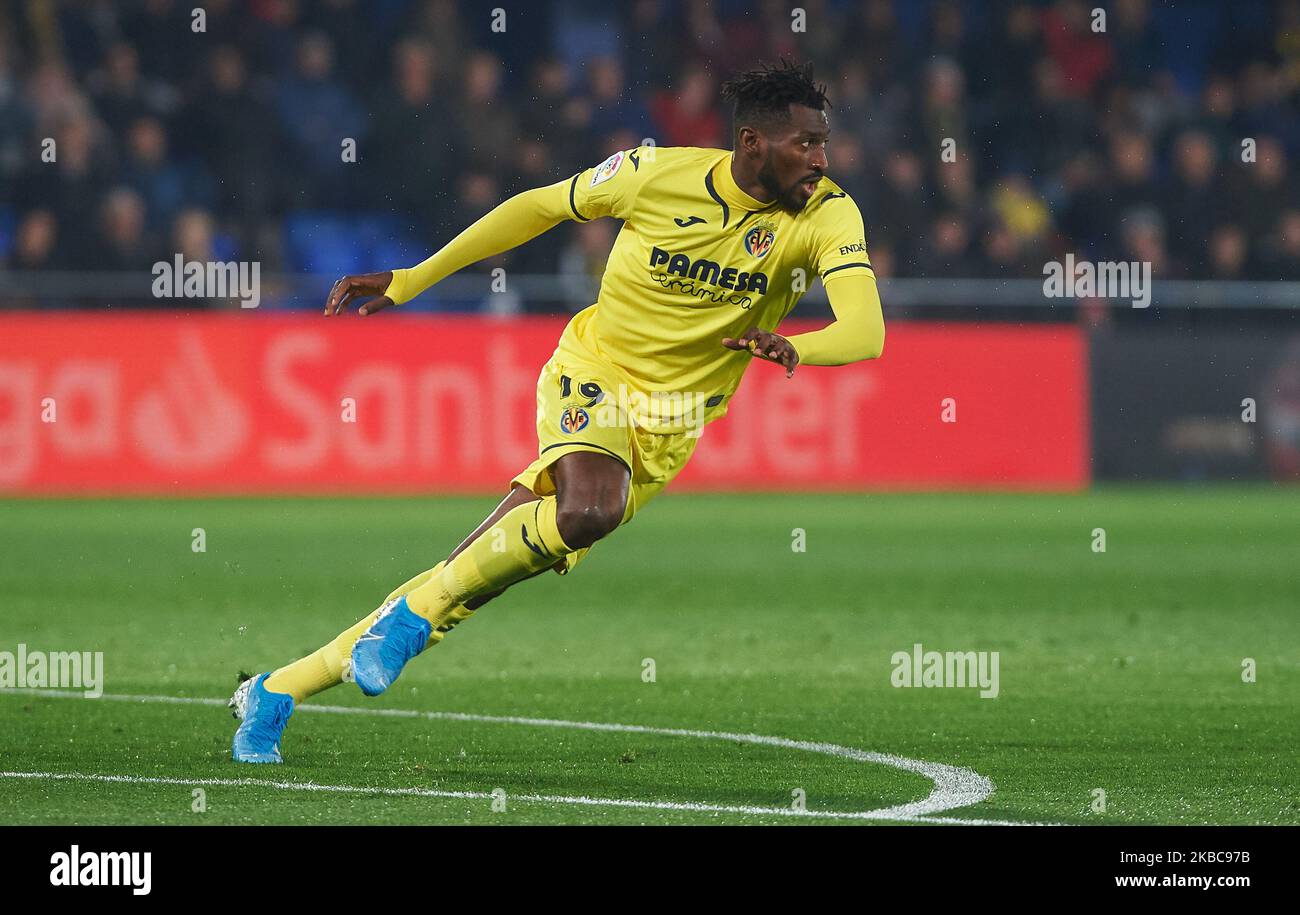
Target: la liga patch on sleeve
607 169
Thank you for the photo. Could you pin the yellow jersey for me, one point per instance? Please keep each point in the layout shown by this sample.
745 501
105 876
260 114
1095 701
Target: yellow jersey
697 260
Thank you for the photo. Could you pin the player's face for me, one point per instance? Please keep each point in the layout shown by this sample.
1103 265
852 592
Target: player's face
796 158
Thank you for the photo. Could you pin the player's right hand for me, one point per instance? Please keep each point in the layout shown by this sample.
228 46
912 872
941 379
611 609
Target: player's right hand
360 286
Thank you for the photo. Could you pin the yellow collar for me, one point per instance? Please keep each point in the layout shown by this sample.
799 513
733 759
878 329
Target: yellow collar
730 191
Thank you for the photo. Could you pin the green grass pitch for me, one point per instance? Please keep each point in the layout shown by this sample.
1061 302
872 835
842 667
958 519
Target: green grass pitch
1119 671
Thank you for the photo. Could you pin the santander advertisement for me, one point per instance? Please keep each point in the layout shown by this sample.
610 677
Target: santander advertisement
246 403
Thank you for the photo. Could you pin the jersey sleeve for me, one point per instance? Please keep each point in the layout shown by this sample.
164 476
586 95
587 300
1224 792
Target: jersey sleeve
839 239
607 189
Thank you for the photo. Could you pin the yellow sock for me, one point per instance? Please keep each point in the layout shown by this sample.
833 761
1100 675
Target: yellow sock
323 668
524 541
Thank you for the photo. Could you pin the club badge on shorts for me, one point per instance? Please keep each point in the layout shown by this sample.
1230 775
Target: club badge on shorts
574 419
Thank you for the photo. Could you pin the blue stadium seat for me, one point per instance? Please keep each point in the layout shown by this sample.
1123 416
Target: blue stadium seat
323 242
8 222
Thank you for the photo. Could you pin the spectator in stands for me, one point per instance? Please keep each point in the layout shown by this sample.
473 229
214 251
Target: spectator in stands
193 236
941 121
874 24
1280 254
124 242
1004 254
1265 105
165 183
1011 52
946 251
687 113
1190 199
1020 209
1259 190
1228 250
1079 204
903 208
121 95
486 126
947 39
582 263
652 44
55 98
614 106
1142 239
1084 57
410 156
546 98
72 184
1218 115
16 115
439 23
1129 182
36 248
318 111
1139 52
955 188
35 242
851 167
230 124
156 29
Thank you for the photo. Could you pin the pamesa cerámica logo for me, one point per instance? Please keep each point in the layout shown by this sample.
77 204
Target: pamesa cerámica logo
29 669
708 272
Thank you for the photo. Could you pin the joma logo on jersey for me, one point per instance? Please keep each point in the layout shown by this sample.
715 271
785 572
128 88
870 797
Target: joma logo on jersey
574 419
759 239
707 271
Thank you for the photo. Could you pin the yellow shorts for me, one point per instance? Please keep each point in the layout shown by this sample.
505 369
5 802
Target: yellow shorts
577 411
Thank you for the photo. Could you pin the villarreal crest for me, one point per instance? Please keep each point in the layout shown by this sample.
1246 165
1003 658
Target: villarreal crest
759 239
574 419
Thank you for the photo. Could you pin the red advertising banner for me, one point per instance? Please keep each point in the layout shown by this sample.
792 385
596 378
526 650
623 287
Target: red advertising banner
252 403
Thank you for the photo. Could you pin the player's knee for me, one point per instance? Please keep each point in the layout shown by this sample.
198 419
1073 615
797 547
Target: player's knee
583 524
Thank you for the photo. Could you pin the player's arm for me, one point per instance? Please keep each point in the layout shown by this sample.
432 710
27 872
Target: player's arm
518 220
858 331
839 256
607 189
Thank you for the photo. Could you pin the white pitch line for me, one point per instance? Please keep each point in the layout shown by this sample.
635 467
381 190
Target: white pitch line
954 786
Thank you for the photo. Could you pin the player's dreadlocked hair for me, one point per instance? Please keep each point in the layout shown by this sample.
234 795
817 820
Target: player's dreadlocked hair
763 96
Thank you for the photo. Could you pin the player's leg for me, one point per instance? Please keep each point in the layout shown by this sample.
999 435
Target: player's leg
525 540
518 495
327 665
589 503
265 702
591 492
590 500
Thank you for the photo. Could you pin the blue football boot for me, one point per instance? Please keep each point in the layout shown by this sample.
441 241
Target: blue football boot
397 635
264 715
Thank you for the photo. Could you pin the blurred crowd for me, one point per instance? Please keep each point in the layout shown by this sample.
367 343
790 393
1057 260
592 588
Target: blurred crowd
979 138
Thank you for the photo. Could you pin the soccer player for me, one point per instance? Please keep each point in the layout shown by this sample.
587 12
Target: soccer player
715 250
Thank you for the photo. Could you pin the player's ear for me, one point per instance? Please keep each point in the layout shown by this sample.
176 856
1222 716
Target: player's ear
748 140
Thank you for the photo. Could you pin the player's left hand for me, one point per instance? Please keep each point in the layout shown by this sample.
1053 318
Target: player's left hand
356 287
766 345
